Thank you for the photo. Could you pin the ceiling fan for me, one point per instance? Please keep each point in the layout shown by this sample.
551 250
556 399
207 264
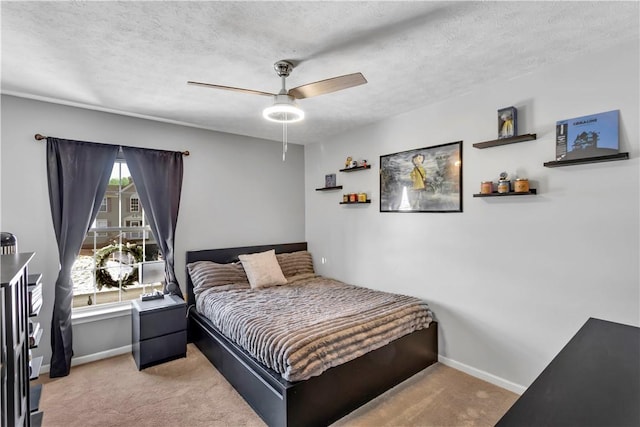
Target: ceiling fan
284 108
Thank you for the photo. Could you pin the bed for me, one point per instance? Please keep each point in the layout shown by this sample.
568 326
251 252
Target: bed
320 399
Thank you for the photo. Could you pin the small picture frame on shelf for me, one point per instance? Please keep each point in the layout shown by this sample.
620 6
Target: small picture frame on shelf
330 180
507 122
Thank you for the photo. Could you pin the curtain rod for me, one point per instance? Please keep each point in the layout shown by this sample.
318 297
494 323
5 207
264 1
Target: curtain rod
40 137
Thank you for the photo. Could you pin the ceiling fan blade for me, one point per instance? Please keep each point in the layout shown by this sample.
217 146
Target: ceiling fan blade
333 84
235 89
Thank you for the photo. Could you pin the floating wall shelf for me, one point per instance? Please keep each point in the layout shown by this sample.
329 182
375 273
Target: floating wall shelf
355 203
505 141
357 168
337 187
598 159
511 193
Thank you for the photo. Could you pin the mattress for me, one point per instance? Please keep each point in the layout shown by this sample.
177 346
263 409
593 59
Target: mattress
312 323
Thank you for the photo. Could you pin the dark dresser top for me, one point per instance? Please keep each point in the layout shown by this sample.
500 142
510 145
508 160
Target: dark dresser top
593 381
12 264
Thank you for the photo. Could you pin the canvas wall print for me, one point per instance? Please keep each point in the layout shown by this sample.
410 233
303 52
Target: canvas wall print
587 136
422 180
507 122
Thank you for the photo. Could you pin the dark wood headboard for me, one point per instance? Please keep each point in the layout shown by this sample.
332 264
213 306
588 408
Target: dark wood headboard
227 255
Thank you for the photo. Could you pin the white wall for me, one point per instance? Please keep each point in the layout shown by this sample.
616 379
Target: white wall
236 191
510 280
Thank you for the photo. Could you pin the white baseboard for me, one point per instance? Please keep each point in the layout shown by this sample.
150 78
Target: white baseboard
94 357
500 382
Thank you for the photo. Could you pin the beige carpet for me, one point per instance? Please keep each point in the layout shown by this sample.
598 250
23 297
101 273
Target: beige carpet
190 392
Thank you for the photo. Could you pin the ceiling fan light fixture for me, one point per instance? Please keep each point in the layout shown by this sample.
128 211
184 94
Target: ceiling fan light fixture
283 110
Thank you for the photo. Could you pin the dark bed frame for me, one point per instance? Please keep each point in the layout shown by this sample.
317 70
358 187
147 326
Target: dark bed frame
320 400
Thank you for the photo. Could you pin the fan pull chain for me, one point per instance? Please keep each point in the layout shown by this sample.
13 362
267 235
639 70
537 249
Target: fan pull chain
284 139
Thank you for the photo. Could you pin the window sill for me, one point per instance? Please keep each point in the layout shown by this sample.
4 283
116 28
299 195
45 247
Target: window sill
96 314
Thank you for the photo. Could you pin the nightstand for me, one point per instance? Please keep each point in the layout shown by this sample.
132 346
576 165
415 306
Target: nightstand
159 330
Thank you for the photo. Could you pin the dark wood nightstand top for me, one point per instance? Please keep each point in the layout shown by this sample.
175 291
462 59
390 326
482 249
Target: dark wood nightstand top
167 303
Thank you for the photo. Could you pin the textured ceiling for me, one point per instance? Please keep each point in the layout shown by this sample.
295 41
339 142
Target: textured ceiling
136 57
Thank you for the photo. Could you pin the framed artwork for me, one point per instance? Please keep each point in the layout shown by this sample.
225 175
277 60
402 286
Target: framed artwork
507 122
422 180
330 180
588 136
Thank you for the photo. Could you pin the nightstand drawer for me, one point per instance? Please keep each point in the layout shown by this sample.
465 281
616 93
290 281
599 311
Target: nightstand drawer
161 349
162 322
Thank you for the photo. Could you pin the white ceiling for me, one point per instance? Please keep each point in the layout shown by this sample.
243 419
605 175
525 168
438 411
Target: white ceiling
135 57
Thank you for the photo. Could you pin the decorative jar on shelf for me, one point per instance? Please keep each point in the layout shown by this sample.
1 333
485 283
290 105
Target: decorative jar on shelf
521 185
486 187
504 186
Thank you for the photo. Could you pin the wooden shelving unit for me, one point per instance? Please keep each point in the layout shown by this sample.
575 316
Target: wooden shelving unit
505 141
34 305
14 340
511 193
337 187
598 159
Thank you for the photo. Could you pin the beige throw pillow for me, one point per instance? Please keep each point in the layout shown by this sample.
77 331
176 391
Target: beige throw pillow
263 269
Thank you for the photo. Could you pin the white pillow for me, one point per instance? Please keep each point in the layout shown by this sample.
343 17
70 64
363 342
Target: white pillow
263 269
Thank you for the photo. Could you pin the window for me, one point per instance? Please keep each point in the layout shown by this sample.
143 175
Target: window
134 203
100 223
106 270
104 206
136 234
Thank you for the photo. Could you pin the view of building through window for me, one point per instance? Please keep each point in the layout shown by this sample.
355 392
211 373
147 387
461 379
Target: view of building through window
106 270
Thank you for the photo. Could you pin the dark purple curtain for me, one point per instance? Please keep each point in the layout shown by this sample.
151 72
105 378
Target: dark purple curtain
78 175
157 175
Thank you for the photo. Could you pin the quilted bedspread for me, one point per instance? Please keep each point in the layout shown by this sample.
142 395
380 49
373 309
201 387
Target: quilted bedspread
312 323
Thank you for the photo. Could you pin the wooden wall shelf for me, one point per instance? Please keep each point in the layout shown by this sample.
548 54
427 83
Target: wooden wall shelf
355 203
357 168
337 187
505 141
599 159
511 193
